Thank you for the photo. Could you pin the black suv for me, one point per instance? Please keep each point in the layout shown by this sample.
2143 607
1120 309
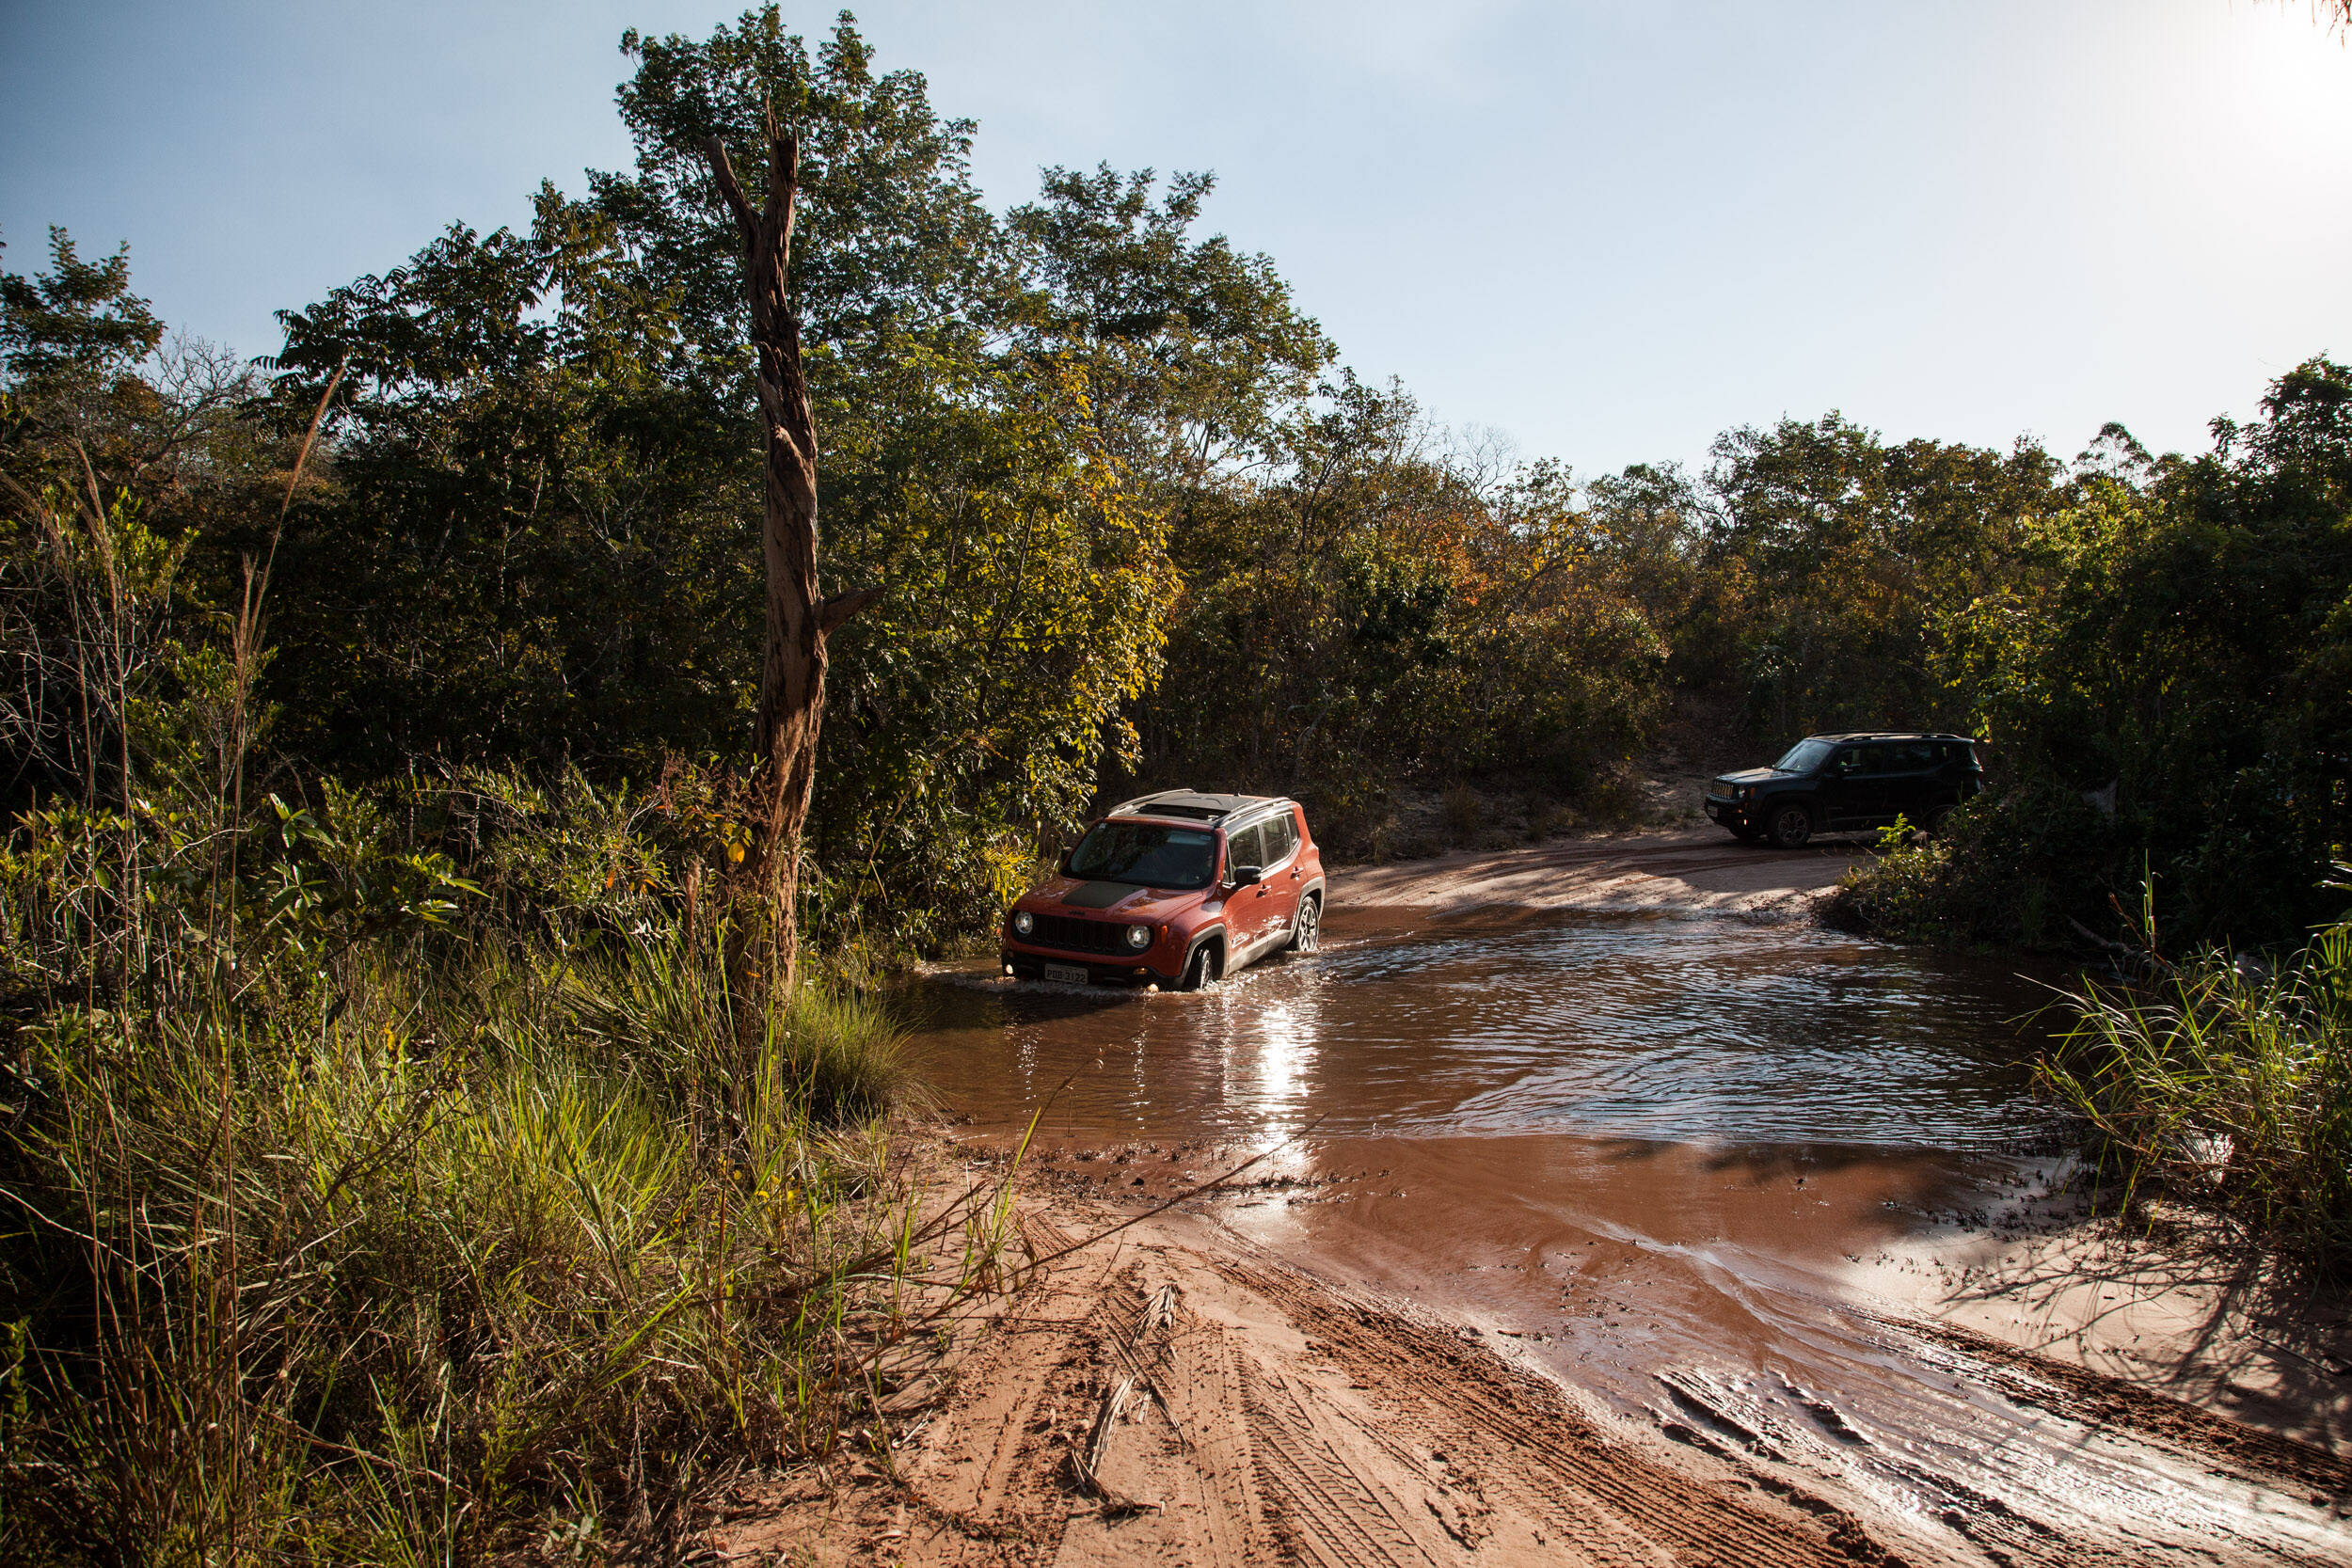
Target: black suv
1832 782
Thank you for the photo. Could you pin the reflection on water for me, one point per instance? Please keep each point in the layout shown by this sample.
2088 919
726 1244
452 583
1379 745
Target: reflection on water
1643 1025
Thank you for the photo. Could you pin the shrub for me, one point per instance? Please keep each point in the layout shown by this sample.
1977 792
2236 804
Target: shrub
2226 1084
2012 866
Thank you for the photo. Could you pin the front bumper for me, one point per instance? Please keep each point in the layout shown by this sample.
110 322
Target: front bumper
1027 961
1731 813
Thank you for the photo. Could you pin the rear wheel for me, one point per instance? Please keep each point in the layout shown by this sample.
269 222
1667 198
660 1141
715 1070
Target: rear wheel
1307 930
1790 825
1201 969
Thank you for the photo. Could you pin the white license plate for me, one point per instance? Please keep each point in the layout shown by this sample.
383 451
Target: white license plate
1073 975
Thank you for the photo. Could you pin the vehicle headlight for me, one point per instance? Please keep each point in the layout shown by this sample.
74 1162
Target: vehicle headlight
1022 922
1139 937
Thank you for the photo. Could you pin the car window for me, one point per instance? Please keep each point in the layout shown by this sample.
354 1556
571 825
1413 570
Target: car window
1246 847
1804 757
1144 854
1850 760
1916 756
1281 837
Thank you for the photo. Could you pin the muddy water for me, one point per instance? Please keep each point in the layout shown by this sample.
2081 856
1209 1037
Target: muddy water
1624 1137
1654 1027
1627 1138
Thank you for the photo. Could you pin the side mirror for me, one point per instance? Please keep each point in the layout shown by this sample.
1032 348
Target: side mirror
1247 876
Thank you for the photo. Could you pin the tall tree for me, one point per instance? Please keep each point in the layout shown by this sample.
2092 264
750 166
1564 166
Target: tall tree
800 619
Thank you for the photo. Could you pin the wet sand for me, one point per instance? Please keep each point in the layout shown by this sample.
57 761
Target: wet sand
1608 1194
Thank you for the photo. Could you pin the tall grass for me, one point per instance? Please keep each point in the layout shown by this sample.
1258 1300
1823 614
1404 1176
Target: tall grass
477 1253
2229 1083
359 1206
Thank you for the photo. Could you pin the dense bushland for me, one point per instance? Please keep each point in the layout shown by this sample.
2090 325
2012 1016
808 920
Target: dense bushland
1136 525
359 1211
388 1175
2165 672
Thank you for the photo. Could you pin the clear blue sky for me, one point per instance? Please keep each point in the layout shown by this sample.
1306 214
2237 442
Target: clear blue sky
1605 230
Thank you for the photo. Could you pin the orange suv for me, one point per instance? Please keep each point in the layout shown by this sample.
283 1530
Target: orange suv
1173 889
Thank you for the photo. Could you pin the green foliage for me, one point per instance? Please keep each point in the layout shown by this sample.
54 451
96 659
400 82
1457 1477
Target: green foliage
1380 612
79 319
661 1004
1195 358
1840 554
2006 869
341 880
2171 643
542 547
2229 1086
1026 601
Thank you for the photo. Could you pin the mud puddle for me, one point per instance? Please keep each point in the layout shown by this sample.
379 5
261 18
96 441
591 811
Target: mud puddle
1692 1168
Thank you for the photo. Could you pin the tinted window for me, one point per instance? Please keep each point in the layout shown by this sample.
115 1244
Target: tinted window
1281 837
1145 855
1916 756
1246 847
1851 759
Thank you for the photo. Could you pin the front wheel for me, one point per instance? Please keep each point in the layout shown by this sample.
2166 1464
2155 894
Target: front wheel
1307 930
1201 969
1791 825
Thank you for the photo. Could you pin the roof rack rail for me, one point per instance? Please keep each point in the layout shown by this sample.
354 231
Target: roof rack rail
1192 805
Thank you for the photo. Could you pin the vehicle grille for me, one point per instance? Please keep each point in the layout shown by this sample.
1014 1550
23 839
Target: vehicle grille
1079 936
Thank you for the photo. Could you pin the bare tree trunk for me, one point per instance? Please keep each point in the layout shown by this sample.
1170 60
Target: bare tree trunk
792 673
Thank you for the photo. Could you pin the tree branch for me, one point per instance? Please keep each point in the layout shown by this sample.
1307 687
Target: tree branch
784 181
839 608
721 170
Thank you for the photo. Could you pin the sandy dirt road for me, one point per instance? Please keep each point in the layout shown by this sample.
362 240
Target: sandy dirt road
1172 1396
1175 1395
1690 868
1202 1387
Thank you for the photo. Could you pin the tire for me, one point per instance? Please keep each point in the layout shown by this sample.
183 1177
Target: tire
1934 823
1307 929
1790 825
1203 969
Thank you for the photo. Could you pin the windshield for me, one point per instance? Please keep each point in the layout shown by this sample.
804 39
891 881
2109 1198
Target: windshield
1148 856
1804 757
